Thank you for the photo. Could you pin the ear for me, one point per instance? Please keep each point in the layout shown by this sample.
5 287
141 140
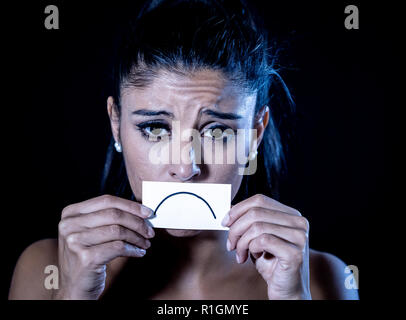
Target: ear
261 122
114 116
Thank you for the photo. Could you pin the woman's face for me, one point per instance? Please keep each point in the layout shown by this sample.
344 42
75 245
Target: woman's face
156 121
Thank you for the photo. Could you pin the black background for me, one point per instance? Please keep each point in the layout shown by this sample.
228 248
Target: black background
56 128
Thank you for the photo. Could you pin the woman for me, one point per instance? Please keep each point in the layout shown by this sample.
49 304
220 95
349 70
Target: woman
206 65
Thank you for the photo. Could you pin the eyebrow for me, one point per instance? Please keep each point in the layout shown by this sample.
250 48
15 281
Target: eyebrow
150 113
222 115
215 114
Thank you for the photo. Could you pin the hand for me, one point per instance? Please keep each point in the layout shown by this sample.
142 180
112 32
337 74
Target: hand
276 237
91 234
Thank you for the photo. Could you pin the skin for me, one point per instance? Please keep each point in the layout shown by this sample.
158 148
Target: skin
264 255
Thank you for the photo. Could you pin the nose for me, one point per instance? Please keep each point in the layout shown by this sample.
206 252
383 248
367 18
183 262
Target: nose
185 171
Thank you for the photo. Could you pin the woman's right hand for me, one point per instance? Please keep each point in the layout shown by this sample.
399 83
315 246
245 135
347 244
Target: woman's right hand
91 234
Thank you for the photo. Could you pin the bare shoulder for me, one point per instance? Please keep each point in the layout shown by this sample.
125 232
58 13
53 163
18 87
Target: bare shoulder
29 276
327 277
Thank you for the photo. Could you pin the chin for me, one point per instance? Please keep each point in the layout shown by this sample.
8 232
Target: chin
182 233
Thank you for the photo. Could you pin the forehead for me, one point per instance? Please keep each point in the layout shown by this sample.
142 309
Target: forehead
195 89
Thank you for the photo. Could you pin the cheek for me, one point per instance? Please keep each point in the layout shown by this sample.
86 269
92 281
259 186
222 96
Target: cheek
136 156
226 174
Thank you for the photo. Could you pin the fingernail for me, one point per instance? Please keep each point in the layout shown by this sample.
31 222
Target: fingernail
228 245
151 231
140 251
226 219
147 212
237 257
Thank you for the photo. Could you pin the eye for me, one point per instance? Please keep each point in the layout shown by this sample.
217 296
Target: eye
154 131
219 132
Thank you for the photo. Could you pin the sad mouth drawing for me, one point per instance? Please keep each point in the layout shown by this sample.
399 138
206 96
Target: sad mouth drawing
184 192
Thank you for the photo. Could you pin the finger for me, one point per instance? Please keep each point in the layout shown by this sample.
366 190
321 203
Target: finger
102 254
104 218
105 234
106 202
294 236
253 215
288 255
255 256
260 201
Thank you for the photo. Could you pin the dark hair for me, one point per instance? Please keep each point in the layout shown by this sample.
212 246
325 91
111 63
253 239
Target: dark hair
182 36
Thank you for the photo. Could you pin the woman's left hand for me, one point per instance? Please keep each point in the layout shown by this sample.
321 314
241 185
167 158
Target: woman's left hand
276 237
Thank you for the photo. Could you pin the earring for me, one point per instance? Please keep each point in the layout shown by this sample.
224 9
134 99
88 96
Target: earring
252 155
117 145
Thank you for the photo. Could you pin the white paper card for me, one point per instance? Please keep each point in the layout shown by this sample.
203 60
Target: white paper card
195 206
